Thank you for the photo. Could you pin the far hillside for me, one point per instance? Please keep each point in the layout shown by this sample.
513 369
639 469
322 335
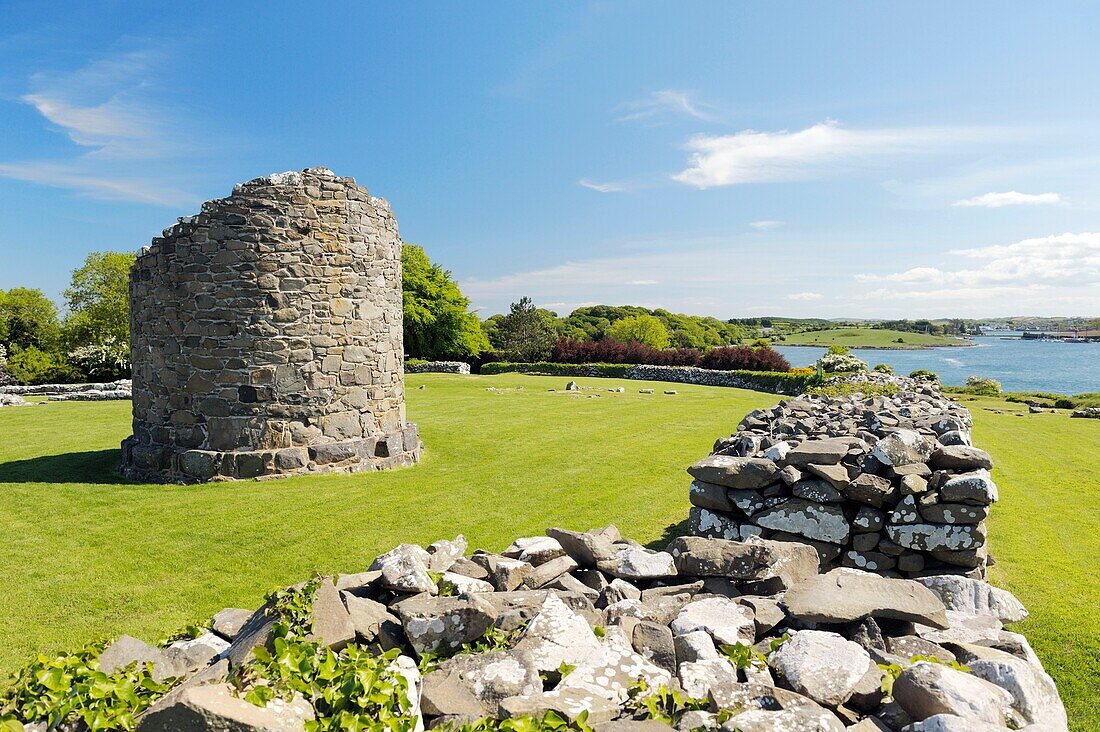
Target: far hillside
868 338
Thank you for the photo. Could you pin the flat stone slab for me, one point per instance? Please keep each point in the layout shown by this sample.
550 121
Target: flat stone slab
735 472
845 595
806 518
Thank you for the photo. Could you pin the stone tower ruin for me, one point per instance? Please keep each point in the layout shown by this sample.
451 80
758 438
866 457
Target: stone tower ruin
267 337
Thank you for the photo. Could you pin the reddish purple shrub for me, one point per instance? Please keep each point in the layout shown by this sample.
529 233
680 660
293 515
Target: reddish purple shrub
733 358
607 350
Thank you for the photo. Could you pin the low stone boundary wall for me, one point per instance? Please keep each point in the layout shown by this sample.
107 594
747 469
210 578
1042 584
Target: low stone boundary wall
889 484
773 382
437 367
767 381
34 389
599 632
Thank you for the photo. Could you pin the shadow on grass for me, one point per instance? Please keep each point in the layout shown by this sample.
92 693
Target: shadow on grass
670 532
98 467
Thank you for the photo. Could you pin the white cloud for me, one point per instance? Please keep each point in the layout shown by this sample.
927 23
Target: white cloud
643 282
765 225
665 101
805 296
609 187
916 274
1034 275
823 149
1010 198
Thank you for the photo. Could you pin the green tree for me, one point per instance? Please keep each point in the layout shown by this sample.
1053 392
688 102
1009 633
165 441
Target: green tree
524 334
99 301
28 319
437 320
645 329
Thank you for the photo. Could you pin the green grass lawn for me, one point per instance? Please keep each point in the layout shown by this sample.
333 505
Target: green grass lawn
86 555
868 338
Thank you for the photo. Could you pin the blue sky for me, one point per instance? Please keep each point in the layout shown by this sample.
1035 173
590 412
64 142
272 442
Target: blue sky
731 159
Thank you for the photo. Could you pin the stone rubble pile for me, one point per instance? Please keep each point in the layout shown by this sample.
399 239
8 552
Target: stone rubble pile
586 622
14 400
1087 412
890 484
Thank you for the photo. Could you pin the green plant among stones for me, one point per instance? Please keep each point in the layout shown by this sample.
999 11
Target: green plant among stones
892 671
661 704
446 588
924 375
294 607
350 690
494 639
744 656
549 722
847 388
69 689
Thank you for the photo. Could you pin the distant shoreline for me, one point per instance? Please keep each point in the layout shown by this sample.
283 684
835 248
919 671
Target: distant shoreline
923 347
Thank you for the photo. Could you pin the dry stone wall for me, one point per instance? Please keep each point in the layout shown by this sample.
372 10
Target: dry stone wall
267 337
890 484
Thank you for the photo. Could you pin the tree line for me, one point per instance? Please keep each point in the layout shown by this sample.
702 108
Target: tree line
90 340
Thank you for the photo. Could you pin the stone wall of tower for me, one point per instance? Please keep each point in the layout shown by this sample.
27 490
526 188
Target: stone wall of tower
267 336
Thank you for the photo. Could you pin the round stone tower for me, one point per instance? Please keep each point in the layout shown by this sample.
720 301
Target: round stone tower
266 337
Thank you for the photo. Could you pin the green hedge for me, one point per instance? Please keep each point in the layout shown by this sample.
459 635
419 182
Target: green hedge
546 368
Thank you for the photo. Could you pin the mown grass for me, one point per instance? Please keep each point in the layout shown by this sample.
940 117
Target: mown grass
867 338
87 555
1044 538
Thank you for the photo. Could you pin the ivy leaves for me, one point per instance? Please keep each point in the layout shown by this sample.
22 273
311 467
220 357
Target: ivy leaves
350 690
70 687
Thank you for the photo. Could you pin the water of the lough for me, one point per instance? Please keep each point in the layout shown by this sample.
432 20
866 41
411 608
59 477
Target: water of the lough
1032 365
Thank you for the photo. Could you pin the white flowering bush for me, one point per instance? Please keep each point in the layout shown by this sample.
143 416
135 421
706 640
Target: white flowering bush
104 361
833 363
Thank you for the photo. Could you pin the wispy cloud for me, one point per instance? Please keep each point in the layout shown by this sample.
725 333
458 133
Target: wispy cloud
101 106
818 151
104 108
805 296
609 187
665 102
87 183
1010 198
765 225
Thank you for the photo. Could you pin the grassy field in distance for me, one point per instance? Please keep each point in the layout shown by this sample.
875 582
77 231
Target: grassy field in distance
868 338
